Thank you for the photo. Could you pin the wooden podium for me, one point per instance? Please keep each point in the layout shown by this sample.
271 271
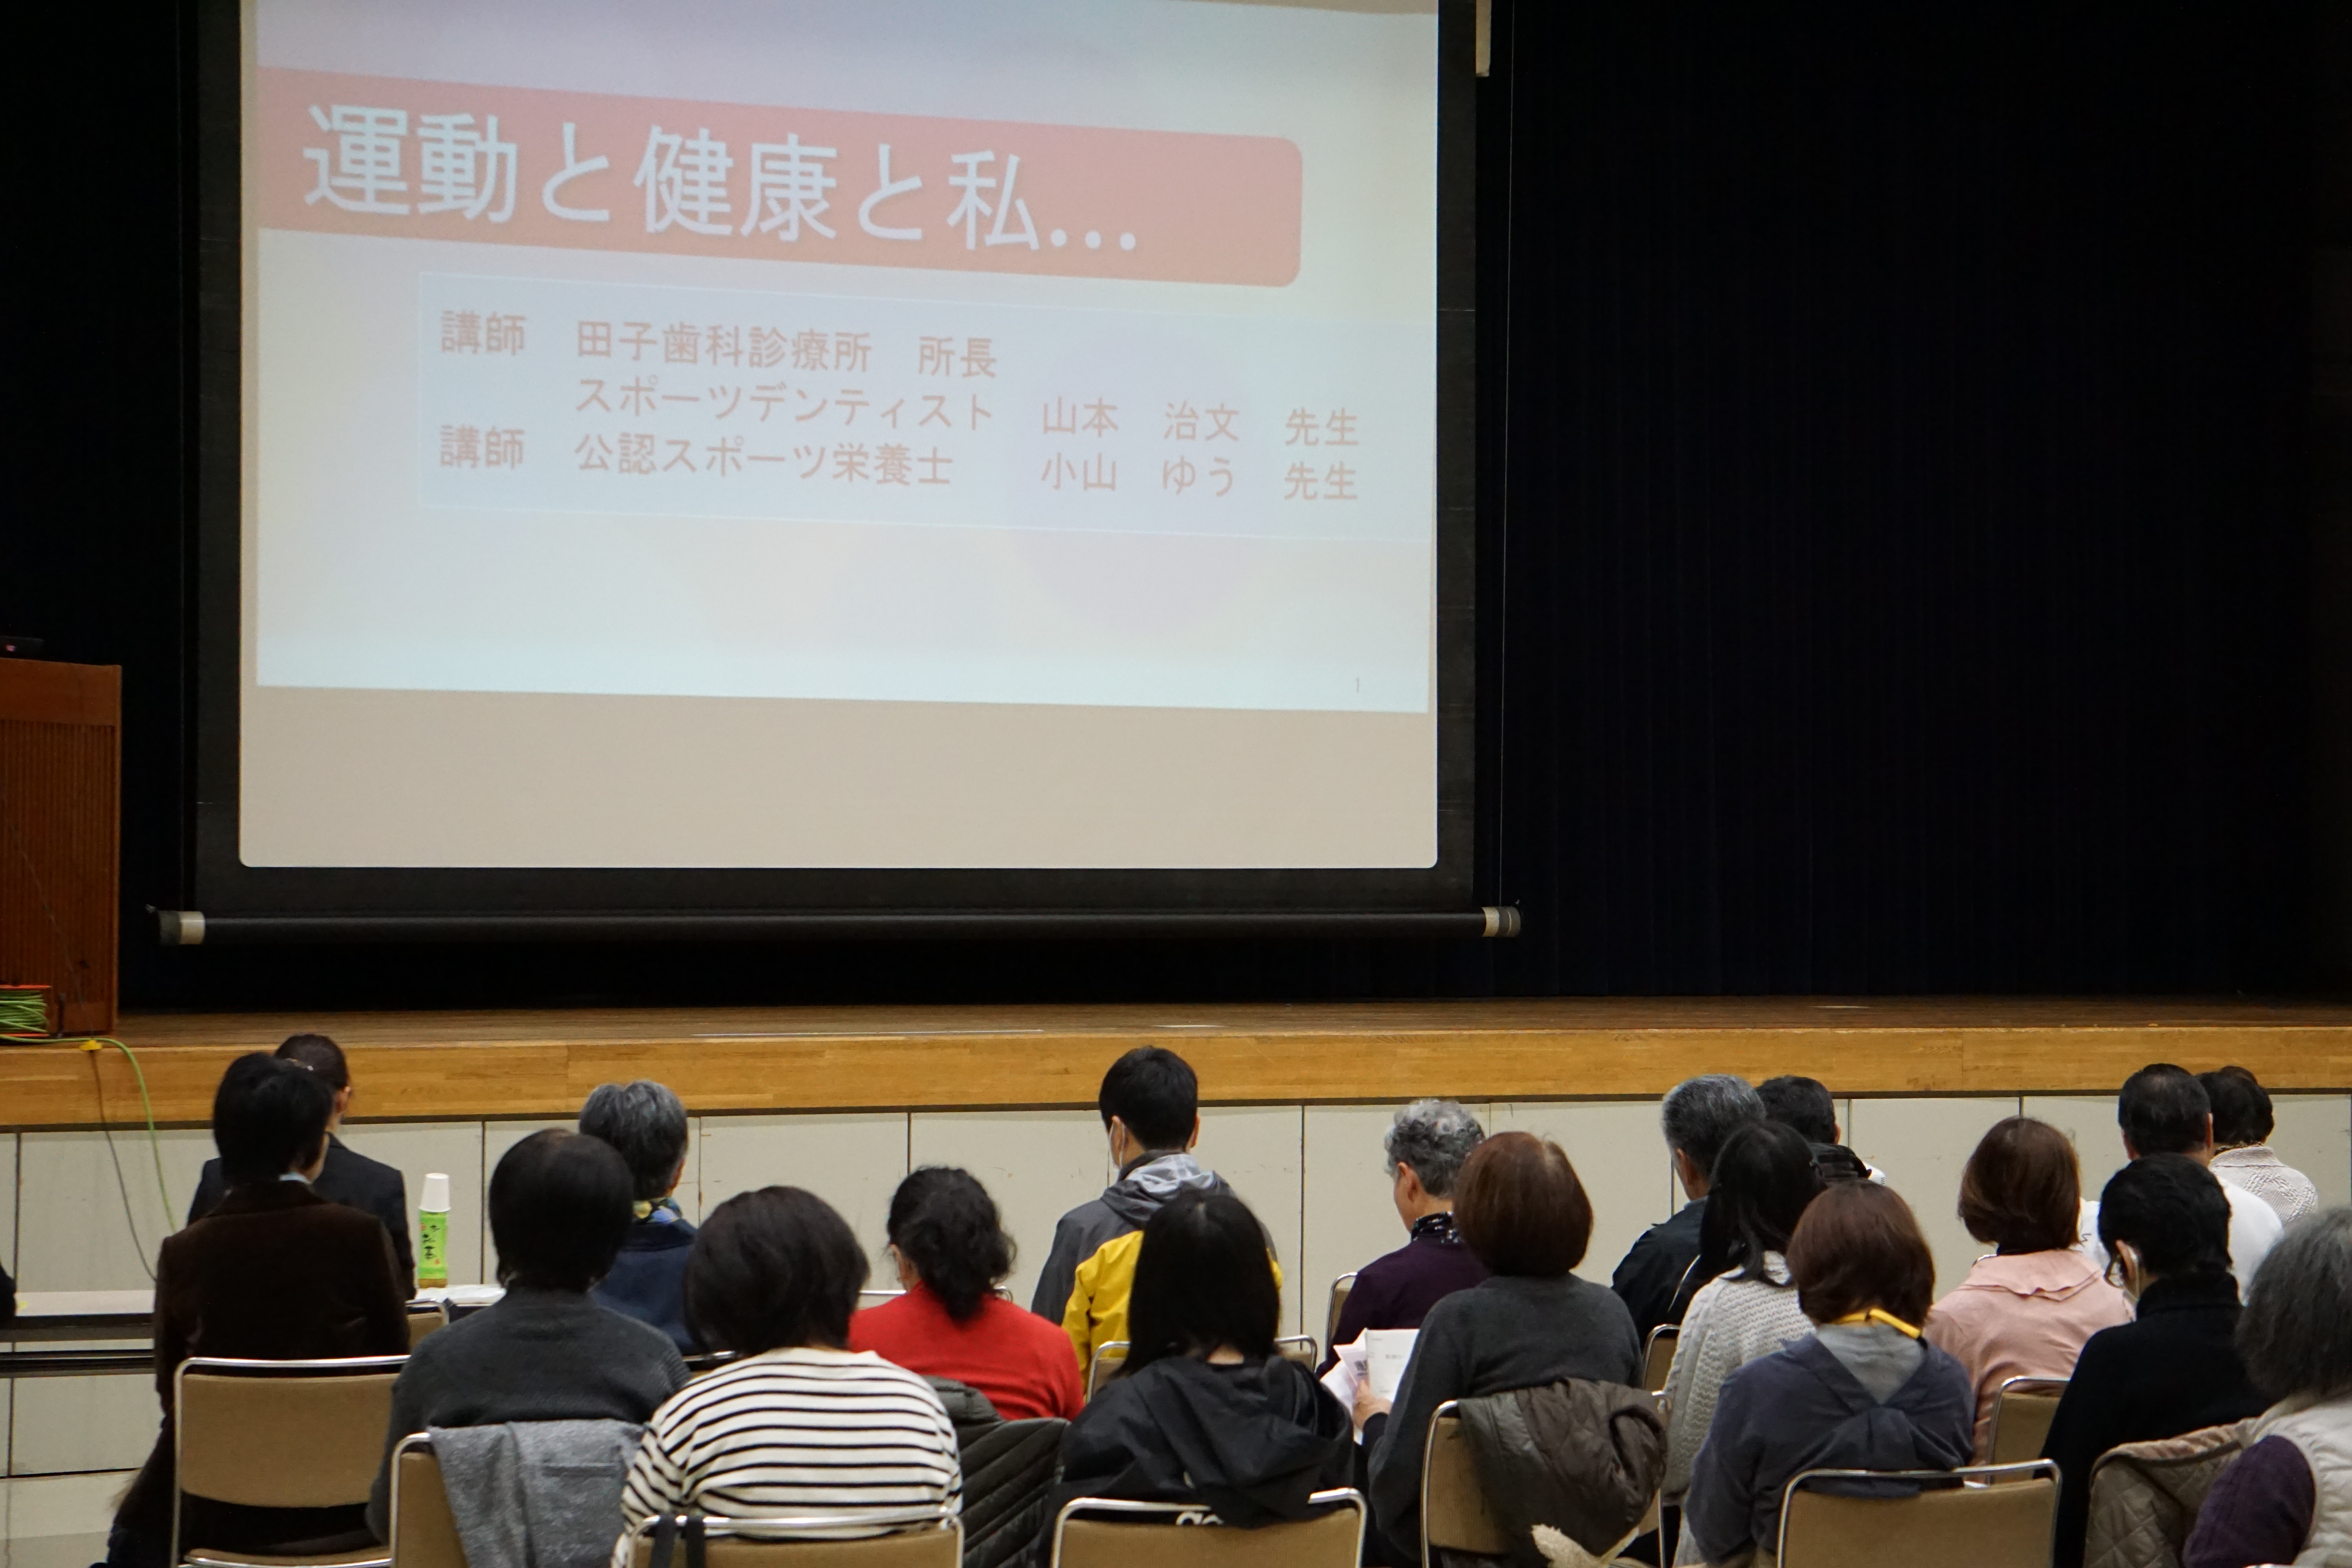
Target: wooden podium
61 833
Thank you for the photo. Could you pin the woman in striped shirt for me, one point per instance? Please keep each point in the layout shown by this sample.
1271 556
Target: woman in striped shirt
800 1426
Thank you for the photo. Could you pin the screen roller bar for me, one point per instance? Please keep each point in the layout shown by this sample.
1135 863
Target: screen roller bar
189 928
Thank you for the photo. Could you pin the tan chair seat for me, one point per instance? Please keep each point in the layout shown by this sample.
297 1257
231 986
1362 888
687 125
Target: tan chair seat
1102 1533
1979 1525
366 1557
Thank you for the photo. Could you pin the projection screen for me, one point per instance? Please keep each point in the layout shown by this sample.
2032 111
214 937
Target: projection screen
885 436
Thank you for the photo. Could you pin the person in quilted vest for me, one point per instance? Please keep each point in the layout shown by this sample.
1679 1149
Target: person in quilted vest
2289 1498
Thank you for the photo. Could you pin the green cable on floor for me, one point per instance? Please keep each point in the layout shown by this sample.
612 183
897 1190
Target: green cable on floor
154 1140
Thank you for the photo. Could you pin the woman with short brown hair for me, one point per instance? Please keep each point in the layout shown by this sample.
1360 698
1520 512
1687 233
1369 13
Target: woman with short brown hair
1523 1213
1865 1393
2026 1310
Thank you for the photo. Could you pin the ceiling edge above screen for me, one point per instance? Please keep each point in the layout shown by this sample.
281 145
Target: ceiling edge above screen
422 902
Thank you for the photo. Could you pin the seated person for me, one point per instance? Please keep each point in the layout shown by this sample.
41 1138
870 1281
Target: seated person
2165 1225
2243 1156
348 1178
544 1351
646 1123
1764 1180
2288 1498
1206 1406
802 1424
952 1251
1698 1114
1864 1391
1806 1104
274 1272
1530 1323
2162 1110
2026 1311
1425 1146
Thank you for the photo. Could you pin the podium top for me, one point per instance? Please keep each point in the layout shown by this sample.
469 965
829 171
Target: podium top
40 691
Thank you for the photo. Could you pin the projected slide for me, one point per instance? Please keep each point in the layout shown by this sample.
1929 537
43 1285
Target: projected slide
1038 396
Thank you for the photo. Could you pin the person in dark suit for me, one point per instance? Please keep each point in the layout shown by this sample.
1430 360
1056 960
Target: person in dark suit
274 1272
351 1179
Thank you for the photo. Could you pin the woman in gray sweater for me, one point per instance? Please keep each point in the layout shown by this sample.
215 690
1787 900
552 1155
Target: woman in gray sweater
1522 1211
560 1205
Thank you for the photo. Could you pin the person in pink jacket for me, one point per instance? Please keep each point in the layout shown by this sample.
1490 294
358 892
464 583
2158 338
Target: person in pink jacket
2024 1310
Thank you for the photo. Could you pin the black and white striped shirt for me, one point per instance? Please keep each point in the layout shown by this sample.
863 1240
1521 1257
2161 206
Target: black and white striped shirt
801 1431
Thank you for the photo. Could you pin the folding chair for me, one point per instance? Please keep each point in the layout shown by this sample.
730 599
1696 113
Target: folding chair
280 1434
1971 1524
1453 1513
1110 1532
2021 1414
905 1538
423 1535
1300 1347
1109 1356
423 1319
1658 1358
1341 1289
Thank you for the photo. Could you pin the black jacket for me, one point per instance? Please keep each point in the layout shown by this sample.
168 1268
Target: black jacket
349 1178
1648 1280
648 1279
2173 1369
1253 1441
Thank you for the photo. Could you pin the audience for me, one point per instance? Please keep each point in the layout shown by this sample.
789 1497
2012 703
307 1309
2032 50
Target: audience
1697 1116
1425 1146
272 1271
1151 1106
952 1251
1206 1406
545 1350
645 1125
348 1178
802 1424
1524 1215
1865 1391
1764 1178
2243 1156
2163 1110
2288 1498
1805 1104
2026 1311
2164 1224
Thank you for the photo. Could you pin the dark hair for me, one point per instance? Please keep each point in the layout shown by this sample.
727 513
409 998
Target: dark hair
772 1269
270 1117
1859 1246
2023 1190
647 1124
320 1054
2173 1212
1763 1181
1203 1278
1520 1208
2162 1111
1154 1093
943 1222
559 1211
1803 1103
2295 1335
1699 1113
2242 1107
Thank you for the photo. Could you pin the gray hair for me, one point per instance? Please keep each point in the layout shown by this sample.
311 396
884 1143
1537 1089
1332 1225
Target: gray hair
1432 1136
647 1124
1700 1113
2295 1335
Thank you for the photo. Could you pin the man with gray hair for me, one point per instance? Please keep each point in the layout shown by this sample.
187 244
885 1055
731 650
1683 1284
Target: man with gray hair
647 1124
1425 1146
1698 1115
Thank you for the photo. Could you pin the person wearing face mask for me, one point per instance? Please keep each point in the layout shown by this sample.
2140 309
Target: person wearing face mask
2166 1227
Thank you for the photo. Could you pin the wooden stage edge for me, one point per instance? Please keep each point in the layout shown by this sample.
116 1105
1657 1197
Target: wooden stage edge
427 1067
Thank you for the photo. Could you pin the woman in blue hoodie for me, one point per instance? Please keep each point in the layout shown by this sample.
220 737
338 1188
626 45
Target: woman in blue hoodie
647 1124
1865 1391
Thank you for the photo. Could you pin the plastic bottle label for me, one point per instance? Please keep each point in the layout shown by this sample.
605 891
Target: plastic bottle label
432 1249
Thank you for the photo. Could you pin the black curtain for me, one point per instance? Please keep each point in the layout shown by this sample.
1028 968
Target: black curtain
1893 543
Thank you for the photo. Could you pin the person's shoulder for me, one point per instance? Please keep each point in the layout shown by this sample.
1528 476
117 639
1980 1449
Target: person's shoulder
1599 1299
634 1336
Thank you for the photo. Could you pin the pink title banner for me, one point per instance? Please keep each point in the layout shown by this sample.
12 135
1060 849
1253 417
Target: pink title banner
429 160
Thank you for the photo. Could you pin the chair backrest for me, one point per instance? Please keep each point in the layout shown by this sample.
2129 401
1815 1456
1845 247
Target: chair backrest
280 1434
1659 1358
1106 1532
1972 1525
422 1321
1109 1356
423 1532
1453 1513
1300 1347
2021 1414
912 1538
1341 1287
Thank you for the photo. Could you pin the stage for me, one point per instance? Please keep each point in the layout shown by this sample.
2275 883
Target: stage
421 1067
